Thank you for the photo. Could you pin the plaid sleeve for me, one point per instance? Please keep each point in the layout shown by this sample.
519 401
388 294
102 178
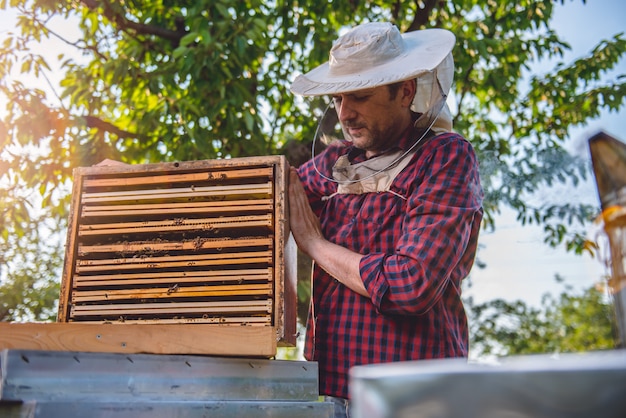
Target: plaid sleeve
436 245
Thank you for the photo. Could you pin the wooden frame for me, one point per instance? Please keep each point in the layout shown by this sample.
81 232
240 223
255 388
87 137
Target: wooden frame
200 244
188 339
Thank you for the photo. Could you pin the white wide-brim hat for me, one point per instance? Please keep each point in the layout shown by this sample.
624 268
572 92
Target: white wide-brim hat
375 54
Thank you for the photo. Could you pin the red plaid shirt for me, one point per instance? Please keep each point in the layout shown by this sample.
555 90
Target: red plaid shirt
417 252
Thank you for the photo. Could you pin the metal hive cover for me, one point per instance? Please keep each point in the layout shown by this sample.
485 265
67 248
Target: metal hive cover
608 156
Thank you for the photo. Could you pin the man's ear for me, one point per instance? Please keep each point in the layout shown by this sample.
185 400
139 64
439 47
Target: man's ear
408 89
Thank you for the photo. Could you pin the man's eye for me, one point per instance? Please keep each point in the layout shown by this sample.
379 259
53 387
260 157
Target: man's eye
354 98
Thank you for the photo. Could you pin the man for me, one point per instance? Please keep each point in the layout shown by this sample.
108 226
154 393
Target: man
390 215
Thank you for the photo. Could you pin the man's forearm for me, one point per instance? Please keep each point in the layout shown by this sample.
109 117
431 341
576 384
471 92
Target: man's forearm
340 263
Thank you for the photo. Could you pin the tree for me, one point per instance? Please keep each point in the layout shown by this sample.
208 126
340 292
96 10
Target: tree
184 80
567 324
32 288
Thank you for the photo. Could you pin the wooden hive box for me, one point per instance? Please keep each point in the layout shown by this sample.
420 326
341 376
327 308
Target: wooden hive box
199 246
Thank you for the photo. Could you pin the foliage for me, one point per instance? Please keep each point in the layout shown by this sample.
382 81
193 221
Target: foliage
569 323
29 291
184 80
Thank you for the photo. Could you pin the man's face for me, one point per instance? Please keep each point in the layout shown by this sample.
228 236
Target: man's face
373 119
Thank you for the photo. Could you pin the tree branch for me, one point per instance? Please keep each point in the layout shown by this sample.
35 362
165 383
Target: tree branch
43 25
422 14
95 122
139 28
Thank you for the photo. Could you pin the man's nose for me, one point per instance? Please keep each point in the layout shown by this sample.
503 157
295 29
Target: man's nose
345 111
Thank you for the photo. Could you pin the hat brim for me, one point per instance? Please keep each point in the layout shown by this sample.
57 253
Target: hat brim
425 50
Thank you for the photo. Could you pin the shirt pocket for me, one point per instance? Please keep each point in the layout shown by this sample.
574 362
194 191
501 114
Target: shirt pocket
379 221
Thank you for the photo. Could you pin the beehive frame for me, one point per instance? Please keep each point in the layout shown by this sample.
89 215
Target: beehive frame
199 242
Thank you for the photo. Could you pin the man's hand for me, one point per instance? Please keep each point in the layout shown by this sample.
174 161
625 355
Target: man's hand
305 226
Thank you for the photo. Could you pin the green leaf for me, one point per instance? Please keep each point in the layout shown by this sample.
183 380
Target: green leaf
189 38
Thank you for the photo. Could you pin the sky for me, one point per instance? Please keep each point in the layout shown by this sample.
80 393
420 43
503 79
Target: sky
518 264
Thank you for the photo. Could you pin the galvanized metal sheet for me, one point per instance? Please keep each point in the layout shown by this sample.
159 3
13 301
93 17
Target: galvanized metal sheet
567 386
247 409
80 377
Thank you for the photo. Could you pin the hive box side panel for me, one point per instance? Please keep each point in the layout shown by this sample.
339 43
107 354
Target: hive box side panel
70 248
286 285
